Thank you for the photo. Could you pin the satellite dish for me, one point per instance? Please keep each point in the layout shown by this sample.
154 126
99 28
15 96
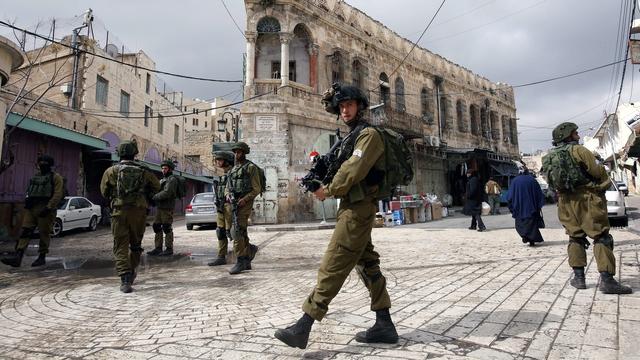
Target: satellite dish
112 50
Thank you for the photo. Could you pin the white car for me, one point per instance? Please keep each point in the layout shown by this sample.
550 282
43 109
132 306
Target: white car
616 209
76 212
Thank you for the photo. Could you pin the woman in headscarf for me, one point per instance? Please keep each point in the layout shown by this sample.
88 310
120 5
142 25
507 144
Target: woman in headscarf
526 199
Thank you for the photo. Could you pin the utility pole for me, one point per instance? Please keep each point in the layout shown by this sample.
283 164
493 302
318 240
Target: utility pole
88 19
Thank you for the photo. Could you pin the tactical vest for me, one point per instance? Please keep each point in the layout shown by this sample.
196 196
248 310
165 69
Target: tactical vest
239 180
222 184
41 186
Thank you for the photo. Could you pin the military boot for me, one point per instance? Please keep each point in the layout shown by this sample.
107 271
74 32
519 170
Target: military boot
383 331
296 335
167 252
40 260
15 260
125 283
155 252
253 249
220 260
609 285
242 264
578 278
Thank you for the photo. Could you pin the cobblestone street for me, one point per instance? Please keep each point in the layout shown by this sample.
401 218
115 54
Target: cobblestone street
456 294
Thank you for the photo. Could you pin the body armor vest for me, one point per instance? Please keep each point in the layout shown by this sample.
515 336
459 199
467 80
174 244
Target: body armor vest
41 186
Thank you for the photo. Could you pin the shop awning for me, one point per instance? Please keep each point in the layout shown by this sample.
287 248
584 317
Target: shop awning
504 168
49 129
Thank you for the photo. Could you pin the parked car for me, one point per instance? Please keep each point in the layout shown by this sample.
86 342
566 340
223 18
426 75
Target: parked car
201 210
76 212
623 187
616 209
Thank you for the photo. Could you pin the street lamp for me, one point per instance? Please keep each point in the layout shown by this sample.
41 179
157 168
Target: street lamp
226 117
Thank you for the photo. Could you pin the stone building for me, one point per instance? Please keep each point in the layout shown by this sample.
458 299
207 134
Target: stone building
453 118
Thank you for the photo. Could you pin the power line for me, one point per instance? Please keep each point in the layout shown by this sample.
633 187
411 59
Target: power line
624 68
232 19
117 61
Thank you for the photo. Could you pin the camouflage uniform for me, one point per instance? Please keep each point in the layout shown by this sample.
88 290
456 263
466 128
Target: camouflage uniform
243 184
128 217
223 207
165 202
40 211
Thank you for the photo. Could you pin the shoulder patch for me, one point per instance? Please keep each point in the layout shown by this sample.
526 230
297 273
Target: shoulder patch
357 152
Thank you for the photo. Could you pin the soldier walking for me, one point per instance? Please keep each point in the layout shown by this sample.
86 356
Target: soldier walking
43 195
243 185
224 160
127 186
356 183
165 202
583 210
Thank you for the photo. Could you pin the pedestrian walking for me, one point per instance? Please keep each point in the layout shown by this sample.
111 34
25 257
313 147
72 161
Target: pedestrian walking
473 203
165 203
493 190
45 191
128 186
581 182
525 199
362 150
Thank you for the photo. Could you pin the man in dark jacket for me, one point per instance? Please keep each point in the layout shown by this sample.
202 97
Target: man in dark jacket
526 200
165 202
473 204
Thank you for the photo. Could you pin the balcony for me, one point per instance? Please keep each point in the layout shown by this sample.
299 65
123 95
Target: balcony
410 126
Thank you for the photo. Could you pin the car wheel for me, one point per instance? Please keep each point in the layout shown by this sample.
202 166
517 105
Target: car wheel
93 223
189 226
624 222
56 229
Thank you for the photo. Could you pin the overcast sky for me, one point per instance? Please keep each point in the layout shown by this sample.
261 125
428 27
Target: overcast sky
511 41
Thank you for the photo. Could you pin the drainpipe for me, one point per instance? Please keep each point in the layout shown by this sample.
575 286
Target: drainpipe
438 82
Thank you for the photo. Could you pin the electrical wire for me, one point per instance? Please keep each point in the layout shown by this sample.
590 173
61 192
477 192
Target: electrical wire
232 19
3 23
624 68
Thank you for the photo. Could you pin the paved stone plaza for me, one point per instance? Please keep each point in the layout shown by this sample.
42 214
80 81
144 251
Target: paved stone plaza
456 293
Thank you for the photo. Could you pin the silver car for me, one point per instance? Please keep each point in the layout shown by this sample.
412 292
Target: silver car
616 209
201 210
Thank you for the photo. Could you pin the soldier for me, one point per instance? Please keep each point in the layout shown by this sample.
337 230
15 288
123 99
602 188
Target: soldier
43 195
356 183
224 160
243 185
583 213
127 186
165 202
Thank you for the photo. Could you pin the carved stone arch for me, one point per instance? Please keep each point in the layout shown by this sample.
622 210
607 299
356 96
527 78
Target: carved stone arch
268 24
384 90
112 139
152 155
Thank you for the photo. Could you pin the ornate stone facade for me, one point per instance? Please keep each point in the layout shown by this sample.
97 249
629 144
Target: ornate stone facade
297 48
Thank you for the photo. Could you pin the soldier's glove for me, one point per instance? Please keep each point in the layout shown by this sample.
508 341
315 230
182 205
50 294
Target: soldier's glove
44 212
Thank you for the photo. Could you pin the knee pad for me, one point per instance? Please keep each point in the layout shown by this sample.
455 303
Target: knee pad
221 233
606 240
166 228
156 227
136 248
26 232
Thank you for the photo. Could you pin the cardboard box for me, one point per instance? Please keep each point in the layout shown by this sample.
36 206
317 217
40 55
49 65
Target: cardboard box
422 214
436 211
413 215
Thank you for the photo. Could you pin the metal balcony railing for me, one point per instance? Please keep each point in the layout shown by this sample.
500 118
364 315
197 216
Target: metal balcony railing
410 126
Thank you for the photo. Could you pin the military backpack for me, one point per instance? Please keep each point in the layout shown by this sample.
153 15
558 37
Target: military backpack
398 162
245 181
561 170
181 189
130 183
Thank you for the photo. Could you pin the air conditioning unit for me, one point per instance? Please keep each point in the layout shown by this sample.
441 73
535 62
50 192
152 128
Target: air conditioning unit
432 141
66 89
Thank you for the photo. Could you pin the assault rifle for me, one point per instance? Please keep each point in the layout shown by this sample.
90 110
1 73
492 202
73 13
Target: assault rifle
235 226
324 168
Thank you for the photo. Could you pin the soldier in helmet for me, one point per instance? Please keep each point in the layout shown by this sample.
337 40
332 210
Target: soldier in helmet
583 213
356 183
224 160
243 185
165 202
127 186
44 192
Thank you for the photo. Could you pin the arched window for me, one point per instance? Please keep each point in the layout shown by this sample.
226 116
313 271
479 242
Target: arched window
385 95
426 105
337 73
495 126
506 132
514 132
299 68
268 49
400 103
473 113
460 115
484 122
358 74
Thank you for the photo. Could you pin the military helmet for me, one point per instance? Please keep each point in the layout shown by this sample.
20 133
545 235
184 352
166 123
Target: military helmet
563 131
241 146
227 156
169 164
128 149
46 158
344 93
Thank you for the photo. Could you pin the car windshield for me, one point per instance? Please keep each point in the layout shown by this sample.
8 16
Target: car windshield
63 204
203 198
